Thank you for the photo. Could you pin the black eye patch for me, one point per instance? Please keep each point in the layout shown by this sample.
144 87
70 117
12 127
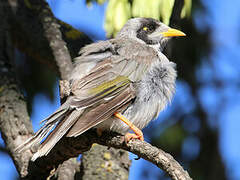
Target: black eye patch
151 27
148 26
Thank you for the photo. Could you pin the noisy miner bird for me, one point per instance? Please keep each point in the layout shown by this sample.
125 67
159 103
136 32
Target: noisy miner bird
118 85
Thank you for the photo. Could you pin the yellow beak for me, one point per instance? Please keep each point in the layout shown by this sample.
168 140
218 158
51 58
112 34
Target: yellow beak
173 32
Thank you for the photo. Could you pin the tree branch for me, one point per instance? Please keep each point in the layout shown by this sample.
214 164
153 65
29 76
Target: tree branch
67 170
152 154
38 34
15 126
72 147
54 36
176 13
111 162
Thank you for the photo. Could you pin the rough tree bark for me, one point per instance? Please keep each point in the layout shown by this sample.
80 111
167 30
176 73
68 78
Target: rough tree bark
33 29
15 124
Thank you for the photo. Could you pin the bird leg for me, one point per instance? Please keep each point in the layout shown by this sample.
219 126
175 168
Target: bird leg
138 133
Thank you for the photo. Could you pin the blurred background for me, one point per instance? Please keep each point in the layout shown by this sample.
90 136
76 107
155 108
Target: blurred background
201 127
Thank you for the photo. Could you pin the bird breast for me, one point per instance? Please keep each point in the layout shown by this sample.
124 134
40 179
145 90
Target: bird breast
154 92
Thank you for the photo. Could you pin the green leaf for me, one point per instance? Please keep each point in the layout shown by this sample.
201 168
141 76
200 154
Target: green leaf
118 12
186 10
166 7
146 8
101 1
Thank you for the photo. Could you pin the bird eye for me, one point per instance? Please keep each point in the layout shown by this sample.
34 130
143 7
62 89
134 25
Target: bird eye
151 28
145 28
148 29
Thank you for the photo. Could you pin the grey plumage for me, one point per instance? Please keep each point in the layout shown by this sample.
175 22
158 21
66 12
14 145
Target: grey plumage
127 74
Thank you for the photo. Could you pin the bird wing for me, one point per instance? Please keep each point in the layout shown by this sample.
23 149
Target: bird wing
104 91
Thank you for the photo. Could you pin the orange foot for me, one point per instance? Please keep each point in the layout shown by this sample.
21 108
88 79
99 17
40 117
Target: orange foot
138 133
129 136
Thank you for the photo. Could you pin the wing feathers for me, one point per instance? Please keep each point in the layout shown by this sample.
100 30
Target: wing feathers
100 113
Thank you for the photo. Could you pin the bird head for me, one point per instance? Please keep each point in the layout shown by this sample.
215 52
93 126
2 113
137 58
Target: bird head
149 31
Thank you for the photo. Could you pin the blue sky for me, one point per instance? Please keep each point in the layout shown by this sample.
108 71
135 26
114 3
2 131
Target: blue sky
223 17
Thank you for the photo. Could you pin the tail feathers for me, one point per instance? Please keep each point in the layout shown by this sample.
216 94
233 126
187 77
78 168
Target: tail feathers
58 113
50 123
57 134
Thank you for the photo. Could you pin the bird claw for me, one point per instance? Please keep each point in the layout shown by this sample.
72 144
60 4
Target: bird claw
130 136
